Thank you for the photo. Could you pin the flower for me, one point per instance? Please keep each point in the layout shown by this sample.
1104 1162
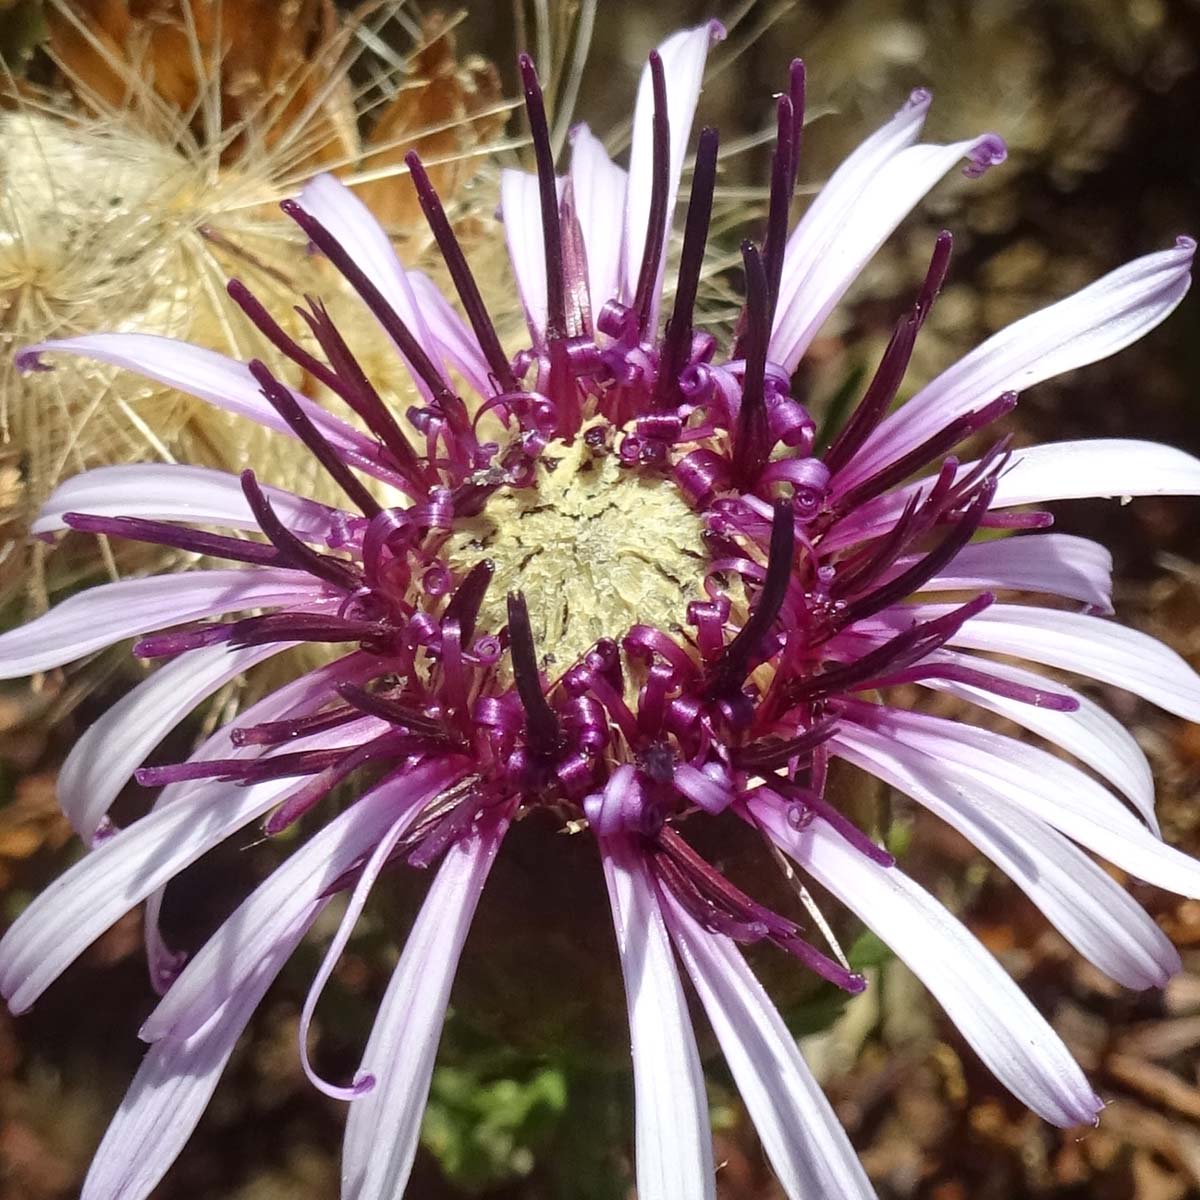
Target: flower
619 585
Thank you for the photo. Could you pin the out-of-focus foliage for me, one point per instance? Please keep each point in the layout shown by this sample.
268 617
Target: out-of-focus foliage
489 1113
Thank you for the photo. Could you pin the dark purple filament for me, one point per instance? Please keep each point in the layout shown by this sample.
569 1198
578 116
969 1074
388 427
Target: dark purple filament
677 342
464 605
288 407
783 179
359 393
541 723
539 129
291 550
460 273
178 537
752 440
659 217
890 373
451 405
734 664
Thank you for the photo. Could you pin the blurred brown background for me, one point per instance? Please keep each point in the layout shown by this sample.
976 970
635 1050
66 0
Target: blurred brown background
1098 100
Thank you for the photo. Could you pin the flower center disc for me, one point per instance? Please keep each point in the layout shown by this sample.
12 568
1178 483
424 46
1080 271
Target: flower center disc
595 547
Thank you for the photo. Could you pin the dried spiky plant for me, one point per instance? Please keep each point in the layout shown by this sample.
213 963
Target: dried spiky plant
144 167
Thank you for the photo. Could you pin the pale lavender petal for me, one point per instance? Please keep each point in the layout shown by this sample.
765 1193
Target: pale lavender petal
674 1142
818 229
104 759
133 863
1052 791
172 492
1098 467
162 963
368 874
683 57
856 232
521 212
304 694
291 890
173 1086
351 222
599 188
1089 733
1057 563
112 612
1089 326
385 1124
1011 1037
1087 645
1083 901
453 336
800 1132
119 874
207 375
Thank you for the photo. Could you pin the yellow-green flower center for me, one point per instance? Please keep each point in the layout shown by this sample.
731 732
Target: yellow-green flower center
595 548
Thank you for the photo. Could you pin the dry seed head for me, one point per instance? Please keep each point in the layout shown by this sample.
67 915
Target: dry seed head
127 204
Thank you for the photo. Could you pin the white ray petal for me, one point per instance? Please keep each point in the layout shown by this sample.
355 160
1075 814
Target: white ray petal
683 57
292 889
800 1132
857 231
173 492
366 241
674 1143
1056 563
1098 467
599 189
1089 733
1011 1037
521 212
223 382
121 872
111 612
455 339
1053 791
385 1123
1089 326
173 1086
1087 645
104 759
1084 903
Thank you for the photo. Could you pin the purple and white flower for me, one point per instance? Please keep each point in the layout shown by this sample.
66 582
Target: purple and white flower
701 611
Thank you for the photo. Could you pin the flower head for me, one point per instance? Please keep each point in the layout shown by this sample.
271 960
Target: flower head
613 579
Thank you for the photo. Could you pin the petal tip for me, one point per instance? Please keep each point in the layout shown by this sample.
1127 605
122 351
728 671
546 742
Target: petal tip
323 182
919 98
29 359
10 993
989 151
